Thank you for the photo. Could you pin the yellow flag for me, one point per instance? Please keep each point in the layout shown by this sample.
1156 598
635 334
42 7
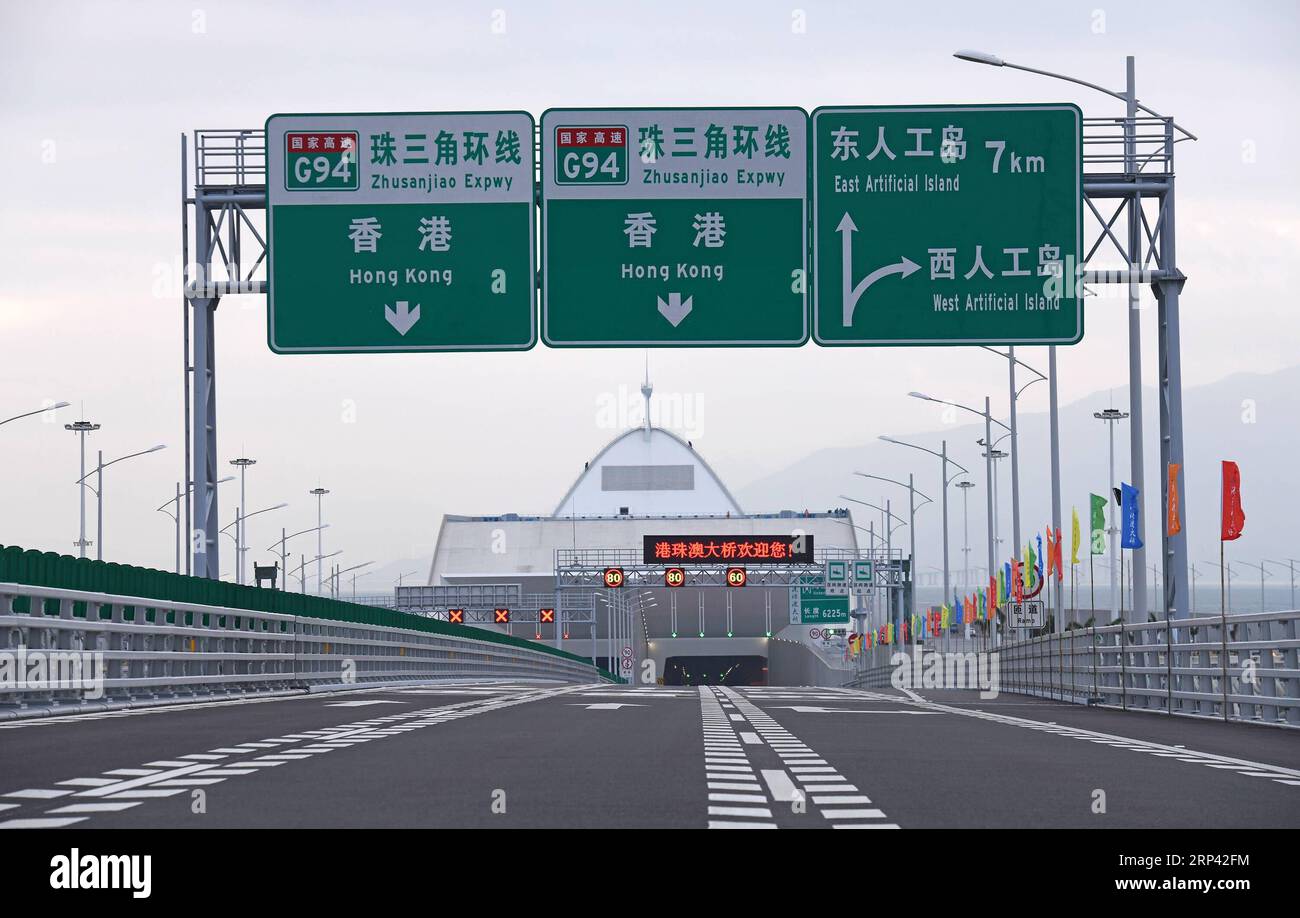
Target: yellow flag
1074 537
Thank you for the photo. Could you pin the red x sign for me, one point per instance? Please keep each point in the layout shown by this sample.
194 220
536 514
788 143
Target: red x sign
501 616
546 616
456 616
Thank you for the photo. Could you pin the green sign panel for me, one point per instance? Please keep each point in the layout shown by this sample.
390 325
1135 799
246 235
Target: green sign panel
810 606
947 225
674 227
400 232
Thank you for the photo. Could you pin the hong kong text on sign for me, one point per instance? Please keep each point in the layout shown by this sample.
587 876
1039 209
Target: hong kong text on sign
400 232
674 227
947 225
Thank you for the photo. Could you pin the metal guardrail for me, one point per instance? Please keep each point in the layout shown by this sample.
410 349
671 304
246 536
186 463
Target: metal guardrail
1242 667
157 652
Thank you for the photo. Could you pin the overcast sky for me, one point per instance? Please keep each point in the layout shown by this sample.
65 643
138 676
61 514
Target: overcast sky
94 99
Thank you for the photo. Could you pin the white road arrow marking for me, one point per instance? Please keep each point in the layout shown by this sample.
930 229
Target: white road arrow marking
675 309
850 293
606 706
403 317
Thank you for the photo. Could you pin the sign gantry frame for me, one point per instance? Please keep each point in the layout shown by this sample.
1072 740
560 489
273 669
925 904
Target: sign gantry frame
1128 192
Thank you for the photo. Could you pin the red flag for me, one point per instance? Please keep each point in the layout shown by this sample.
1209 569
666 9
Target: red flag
1233 518
1056 556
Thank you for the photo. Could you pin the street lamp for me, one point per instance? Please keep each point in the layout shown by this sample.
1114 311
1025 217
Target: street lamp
989 421
1290 566
283 553
338 578
965 534
911 522
945 481
1171 428
320 541
81 428
176 514
301 576
1226 568
1262 571
1111 417
56 406
241 532
99 494
238 522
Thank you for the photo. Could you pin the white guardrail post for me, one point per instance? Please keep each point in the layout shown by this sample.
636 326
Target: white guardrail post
74 650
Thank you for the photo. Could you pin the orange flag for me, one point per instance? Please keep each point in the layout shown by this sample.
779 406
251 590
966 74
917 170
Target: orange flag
1173 520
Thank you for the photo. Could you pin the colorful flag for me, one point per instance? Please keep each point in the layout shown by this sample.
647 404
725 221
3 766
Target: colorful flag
1129 509
1173 519
1233 518
1051 554
1056 556
1098 524
1074 535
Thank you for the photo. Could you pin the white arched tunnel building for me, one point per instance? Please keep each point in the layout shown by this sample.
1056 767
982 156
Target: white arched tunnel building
646 481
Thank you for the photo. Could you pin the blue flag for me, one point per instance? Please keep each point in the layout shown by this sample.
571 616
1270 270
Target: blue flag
1128 507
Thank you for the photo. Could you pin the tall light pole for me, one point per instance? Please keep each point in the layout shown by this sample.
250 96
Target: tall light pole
965 534
1290 566
944 481
1111 417
283 553
240 517
241 531
1262 571
99 492
81 428
320 541
1167 289
176 513
27 414
912 494
987 415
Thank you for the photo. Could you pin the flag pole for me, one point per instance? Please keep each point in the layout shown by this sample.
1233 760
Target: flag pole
1223 623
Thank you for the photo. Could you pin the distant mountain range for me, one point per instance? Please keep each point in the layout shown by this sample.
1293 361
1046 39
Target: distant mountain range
1253 419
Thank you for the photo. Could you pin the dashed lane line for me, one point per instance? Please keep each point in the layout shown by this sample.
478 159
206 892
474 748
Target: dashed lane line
125 788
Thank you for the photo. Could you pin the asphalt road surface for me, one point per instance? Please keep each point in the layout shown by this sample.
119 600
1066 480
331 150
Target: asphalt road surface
536 755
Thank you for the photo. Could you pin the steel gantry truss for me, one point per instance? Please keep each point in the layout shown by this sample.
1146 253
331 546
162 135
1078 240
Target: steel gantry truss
1128 191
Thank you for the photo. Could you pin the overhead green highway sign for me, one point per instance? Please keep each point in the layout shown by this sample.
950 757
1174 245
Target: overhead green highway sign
947 224
674 227
400 232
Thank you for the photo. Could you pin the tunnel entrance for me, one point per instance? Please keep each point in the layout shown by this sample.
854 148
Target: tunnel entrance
724 670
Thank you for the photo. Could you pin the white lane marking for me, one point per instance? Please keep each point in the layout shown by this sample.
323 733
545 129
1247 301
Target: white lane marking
204 756
1203 758
811 769
867 825
360 704
9 806
147 793
830 788
48 823
745 767
720 824
169 764
282 758
224 772
852 814
37 793
779 783
731 785
189 782
88 782
231 750
844 799
132 772
811 709
95 807
739 717
737 798
760 811
751 739
605 705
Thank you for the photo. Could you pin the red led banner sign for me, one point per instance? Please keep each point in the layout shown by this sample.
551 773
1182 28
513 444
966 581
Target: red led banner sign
720 549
